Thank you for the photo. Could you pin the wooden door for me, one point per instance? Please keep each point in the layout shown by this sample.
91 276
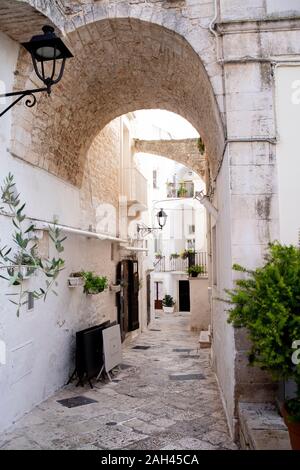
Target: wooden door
184 296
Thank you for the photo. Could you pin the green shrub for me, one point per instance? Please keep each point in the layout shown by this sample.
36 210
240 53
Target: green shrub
168 301
94 284
195 270
267 303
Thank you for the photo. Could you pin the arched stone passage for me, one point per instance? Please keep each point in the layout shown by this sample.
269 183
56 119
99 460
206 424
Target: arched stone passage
183 151
120 65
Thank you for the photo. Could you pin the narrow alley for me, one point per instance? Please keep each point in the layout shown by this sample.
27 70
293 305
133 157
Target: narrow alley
165 397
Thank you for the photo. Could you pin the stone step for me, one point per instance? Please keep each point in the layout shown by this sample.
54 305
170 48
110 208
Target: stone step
204 340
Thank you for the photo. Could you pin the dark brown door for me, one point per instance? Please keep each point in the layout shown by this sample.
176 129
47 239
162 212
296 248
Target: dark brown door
184 296
148 299
133 295
128 297
158 295
120 300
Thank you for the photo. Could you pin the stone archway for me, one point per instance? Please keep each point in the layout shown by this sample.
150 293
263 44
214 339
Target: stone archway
122 64
127 57
184 151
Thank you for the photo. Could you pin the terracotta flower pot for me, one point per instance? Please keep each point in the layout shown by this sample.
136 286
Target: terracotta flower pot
293 428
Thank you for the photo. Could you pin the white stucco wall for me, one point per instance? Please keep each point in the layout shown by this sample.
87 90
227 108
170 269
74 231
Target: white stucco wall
223 348
40 344
288 158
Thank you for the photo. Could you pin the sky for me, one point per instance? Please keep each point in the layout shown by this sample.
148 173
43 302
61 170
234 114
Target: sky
156 123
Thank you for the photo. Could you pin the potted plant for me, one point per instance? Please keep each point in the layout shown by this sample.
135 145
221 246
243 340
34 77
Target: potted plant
174 256
182 191
76 279
94 284
267 302
24 266
168 304
158 256
190 255
195 270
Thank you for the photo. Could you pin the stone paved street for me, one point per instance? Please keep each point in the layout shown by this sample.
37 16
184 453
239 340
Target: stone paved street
165 397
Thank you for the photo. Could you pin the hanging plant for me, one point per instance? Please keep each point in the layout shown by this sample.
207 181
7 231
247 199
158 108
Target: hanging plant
26 259
94 284
201 146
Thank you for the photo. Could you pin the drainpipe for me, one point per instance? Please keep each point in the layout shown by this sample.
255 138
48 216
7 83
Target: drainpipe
204 200
132 248
40 225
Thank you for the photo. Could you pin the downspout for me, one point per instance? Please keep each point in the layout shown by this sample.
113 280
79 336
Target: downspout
40 225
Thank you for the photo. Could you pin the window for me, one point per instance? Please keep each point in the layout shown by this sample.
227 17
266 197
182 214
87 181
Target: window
191 229
191 244
155 183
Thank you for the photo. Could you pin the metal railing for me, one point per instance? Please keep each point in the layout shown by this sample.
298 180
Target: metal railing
165 264
181 190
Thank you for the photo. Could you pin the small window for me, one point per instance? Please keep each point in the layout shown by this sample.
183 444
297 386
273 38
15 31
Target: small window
191 244
191 229
155 185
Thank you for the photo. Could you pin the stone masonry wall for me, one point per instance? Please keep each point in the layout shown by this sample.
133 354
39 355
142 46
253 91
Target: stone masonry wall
184 151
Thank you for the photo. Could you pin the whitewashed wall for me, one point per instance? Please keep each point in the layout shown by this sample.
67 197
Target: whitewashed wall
288 158
40 344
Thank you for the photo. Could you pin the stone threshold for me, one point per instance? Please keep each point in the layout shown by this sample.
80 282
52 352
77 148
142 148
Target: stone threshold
262 428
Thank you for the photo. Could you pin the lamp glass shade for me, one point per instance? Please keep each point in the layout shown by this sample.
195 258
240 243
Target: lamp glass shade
47 53
47 46
162 218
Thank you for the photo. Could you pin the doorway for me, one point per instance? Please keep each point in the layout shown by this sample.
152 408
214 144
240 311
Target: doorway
148 298
158 290
127 300
184 296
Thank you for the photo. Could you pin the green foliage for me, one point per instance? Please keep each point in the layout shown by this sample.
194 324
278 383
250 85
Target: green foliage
195 270
201 146
185 254
267 302
182 191
94 284
158 256
77 274
26 260
174 255
168 301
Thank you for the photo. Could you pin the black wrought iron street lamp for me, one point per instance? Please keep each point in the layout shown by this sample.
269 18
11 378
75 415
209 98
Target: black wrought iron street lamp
161 219
49 55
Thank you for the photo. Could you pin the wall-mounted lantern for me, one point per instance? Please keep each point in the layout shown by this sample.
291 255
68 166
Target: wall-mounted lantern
49 55
161 216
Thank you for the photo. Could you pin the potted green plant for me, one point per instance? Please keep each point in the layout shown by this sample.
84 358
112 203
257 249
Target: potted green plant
23 264
267 302
76 279
168 304
174 256
94 284
194 271
182 191
158 256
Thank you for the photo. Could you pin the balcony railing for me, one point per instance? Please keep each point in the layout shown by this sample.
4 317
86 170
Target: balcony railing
165 264
181 190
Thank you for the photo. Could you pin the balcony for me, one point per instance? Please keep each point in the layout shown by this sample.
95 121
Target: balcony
135 188
168 264
180 190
